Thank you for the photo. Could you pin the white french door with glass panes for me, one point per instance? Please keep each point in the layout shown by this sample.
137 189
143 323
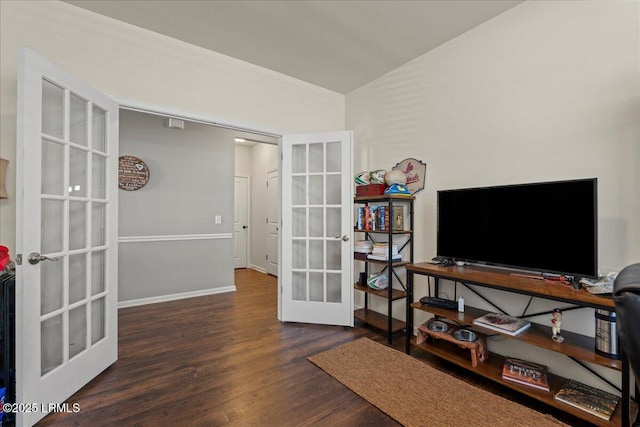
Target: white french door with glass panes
66 289
317 213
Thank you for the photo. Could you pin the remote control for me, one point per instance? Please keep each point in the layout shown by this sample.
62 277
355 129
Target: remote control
439 302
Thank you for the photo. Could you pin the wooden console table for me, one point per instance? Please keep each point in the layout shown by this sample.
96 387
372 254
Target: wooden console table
576 346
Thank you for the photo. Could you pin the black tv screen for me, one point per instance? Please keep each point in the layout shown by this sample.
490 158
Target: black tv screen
548 227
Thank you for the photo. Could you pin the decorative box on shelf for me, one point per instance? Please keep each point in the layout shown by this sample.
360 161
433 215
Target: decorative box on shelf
370 189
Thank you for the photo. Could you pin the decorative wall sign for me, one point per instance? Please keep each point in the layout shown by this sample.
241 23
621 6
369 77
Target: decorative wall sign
415 171
133 173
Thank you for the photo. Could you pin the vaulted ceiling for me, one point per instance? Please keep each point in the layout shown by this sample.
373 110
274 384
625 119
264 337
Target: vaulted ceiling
339 45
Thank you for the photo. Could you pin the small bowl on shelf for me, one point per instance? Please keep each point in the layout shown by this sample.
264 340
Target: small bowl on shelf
464 335
437 326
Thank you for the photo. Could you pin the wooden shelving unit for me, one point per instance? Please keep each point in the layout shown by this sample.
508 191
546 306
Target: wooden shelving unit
577 346
381 321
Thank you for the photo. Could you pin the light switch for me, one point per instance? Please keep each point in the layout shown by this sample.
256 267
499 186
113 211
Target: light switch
218 219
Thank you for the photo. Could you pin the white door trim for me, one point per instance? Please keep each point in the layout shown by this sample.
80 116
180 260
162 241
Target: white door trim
165 111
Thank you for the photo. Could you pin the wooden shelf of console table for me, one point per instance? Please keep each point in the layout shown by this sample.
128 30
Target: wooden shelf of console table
574 345
378 320
492 369
501 279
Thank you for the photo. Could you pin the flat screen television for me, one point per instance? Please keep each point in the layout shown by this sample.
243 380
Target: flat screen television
547 227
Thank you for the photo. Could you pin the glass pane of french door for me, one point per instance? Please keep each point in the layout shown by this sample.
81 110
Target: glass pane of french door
316 211
73 224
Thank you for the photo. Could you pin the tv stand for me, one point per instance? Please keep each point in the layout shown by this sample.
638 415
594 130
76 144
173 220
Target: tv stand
577 346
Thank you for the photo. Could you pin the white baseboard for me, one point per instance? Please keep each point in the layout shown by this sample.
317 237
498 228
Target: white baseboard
173 297
256 268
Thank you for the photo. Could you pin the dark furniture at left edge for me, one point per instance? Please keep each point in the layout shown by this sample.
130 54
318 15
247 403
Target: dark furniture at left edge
8 338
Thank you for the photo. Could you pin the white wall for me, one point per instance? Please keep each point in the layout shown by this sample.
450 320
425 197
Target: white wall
546 91
243 161
128 62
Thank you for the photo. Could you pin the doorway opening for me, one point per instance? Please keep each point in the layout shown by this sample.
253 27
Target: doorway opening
257 210
178 233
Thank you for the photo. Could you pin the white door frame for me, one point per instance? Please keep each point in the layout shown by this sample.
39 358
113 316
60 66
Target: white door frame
176 113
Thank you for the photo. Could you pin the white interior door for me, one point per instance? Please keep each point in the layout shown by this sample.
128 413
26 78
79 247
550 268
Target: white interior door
66 320
273 221
317 212
240 221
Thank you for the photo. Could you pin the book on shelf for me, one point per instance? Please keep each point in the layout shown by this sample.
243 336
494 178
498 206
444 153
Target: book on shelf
383 249
385 257
503 323
379 218
362 246
525 372
589 399
360 219
397 219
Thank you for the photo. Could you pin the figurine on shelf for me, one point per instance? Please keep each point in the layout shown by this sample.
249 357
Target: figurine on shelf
556 322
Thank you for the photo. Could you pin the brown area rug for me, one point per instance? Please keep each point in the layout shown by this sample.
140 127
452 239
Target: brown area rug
416 394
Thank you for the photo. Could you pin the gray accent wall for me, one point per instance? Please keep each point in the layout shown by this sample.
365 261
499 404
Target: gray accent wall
169 242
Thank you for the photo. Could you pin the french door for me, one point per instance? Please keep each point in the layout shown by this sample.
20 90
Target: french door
66 294
317 213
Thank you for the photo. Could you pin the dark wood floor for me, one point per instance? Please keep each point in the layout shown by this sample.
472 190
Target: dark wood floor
226 360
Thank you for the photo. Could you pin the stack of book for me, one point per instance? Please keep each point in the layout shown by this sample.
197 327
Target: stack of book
587 398
525 372
380 252
378 218
503 323
363 246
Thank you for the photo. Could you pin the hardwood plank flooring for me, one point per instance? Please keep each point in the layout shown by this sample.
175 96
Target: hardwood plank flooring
225 359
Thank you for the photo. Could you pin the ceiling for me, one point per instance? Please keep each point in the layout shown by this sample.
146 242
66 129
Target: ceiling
338 45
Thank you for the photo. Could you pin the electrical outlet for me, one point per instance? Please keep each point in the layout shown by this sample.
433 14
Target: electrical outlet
218 219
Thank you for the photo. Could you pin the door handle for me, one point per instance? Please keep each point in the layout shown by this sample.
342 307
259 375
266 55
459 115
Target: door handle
35 258
344 238
244 226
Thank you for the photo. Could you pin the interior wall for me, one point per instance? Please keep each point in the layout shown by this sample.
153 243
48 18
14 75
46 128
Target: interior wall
169 243
131 63
545 91
242 160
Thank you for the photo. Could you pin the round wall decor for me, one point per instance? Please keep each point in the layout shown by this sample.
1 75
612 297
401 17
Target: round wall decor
133 173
